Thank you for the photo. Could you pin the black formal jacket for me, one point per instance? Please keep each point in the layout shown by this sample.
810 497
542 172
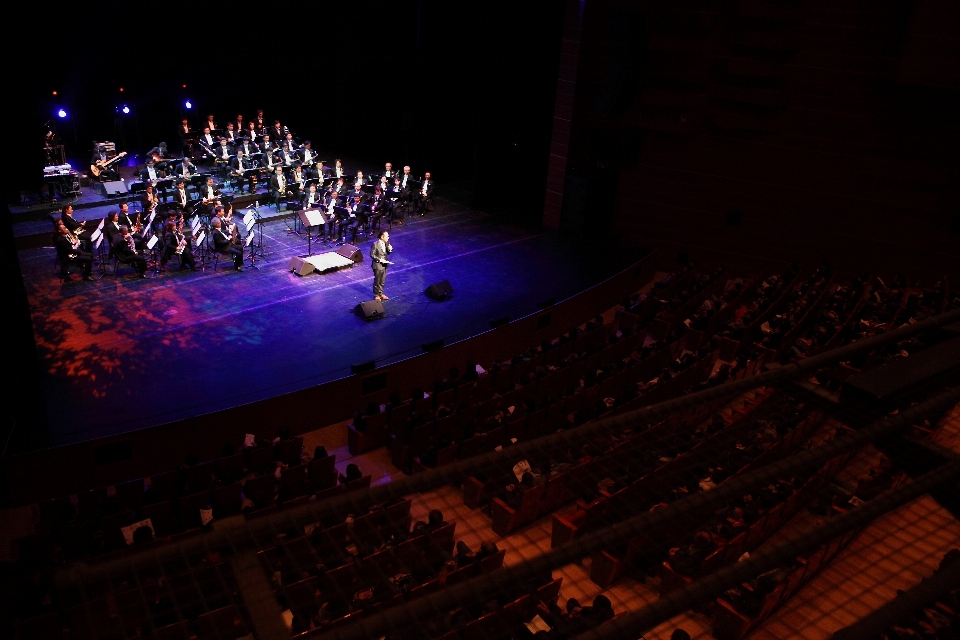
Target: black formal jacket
71 223
121 249
64 249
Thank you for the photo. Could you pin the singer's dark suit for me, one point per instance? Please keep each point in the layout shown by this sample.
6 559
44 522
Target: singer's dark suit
378 256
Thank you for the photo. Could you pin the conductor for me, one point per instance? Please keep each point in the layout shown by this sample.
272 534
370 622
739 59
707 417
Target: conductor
378 255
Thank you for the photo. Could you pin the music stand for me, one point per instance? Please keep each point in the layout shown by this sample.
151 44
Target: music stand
311 218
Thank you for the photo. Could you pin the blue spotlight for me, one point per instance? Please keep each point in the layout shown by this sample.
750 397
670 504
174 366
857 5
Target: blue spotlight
61 113
188 104
126 109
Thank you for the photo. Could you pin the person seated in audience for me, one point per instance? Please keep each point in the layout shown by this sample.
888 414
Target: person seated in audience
353 473
319 452
434 521
679 634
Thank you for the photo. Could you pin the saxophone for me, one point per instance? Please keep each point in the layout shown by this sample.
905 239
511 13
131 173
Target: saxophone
73 240
183 239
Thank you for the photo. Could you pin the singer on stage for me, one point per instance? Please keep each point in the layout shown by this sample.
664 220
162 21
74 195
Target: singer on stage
378 255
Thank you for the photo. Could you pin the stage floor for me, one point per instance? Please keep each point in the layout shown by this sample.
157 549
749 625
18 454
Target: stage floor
127 354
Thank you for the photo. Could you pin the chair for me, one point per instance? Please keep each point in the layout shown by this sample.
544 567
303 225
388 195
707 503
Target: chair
226 500
294 479
289 450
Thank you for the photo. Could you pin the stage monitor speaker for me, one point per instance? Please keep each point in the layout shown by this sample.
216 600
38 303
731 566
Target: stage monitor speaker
440 290
370 310
114 187
350 252
300 266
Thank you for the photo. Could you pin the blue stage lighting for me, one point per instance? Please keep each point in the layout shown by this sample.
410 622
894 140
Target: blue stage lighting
61 113
188 104
126 109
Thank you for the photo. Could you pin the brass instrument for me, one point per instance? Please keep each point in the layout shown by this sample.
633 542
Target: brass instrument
130 243
234 234
73 240
137 225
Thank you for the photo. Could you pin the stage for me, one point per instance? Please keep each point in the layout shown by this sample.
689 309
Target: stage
128 354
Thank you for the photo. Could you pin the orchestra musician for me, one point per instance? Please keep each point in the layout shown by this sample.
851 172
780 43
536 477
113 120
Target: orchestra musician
359 180
125 249
239 166
389 173
74 226
338 169
357 191
133 224
260 123
278 131
351 221
330 205
208 196
149 201
227 244
69 250
307 152
310 198
378 207
240 124
320 172
289 144
224 151
210 124
230 135
150 173
287 157
111 227
207 138
406 180
174 242
100 157
252 131
186 137
180 195
426 190
265 145
248 147
395 196
278 187
384 184
297 179
187 168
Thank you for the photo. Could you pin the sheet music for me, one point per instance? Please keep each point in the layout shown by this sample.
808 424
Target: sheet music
249 240
100 226
195 224
249 219
98 242
96 234
152 243
200 237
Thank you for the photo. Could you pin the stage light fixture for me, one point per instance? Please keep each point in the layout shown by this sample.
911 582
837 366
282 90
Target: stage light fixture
61 113
188 104
54 93
126 109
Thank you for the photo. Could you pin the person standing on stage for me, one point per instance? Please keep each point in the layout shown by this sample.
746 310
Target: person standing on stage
378 255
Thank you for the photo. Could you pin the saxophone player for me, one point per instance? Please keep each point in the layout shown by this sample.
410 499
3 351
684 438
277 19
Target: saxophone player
125 250
68 250
227 244
176 243
133 224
